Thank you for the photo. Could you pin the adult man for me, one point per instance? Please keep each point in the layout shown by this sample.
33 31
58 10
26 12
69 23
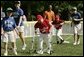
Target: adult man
44 27
49 14
18 16
76 18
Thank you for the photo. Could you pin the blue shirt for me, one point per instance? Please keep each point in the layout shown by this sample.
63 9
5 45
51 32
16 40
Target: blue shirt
8 24
76 16
18 12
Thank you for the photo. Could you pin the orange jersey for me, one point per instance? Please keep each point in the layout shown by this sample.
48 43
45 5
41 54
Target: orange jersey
49 15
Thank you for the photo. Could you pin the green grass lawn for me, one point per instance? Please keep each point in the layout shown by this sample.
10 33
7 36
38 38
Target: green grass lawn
65 49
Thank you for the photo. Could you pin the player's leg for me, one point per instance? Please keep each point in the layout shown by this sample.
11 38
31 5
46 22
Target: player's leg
57 39
14 49
75 39
75 35
21 35
5 41
59 36
52 31
40 44
78 39
78 30
48 42
5 46
13 41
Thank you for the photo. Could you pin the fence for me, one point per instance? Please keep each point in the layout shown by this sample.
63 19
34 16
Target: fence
66 29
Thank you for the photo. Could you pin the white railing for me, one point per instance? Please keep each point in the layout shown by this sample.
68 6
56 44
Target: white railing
66 29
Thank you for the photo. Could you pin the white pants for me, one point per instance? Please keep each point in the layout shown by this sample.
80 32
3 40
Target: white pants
58 34
45 38
77 28
8 36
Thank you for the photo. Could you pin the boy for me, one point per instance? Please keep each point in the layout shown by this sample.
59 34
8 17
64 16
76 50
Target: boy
44 27
58 22
18 16
76 18
8 26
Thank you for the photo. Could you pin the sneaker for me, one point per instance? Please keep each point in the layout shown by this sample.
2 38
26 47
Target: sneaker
78 42
74 44
61 41
40 52
49 51
15 52
24 47
66 42
5 54
57 42
45 50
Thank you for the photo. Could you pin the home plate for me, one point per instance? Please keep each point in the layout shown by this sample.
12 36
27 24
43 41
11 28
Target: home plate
66 42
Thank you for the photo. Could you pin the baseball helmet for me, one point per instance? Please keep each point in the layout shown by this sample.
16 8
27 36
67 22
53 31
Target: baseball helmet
39 17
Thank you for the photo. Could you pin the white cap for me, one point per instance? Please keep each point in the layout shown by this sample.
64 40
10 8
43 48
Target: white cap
17 2
9 9
74 8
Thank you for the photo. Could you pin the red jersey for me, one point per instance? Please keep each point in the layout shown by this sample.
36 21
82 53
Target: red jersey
57 22
44 27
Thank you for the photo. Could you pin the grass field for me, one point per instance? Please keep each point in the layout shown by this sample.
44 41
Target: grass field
65 49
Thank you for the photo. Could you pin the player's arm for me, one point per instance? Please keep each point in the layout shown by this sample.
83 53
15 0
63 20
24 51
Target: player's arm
24 18
45 15
62 22
20 20
3 14
16 31
2 31
21 16
53 22
53 16
78 19
49 26
35 27
15 27
71 19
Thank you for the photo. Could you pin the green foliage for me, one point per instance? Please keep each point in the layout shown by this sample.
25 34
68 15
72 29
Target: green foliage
34 7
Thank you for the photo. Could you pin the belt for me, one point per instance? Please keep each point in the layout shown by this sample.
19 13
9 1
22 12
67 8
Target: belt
8 30
44 32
